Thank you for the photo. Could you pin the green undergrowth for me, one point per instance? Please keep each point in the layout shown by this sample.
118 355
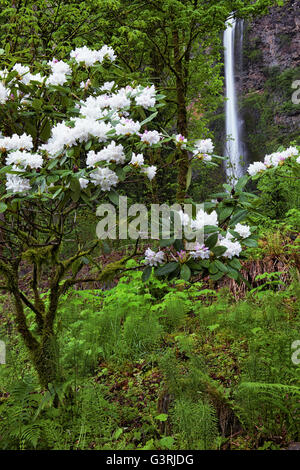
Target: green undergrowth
149 366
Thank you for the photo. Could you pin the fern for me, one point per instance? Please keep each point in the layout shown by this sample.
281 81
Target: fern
275 407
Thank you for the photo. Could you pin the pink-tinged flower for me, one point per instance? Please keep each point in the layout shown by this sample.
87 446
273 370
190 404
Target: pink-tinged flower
180 141
201 251
182 256
152 258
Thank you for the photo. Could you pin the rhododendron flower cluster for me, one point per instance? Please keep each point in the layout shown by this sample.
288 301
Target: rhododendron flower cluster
234 248
16 142
90 57
145 97
203 219
243 230
102 119
204 149
151 137
227 245
274 160
201 251
181 141
24 159
152 258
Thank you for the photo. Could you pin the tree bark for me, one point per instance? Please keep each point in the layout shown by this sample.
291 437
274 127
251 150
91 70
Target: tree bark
183 160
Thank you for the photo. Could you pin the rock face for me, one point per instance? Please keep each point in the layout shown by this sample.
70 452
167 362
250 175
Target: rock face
271 64
274 40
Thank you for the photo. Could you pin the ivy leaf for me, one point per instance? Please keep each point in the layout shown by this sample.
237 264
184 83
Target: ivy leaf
250 242
146 273
211 241
185 272
241 183
240 215
167 442
114 197
3 207
221 266
166 269
225 213
219 250
234 263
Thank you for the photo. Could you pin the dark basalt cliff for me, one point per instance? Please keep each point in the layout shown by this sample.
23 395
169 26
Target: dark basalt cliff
271 41
270 65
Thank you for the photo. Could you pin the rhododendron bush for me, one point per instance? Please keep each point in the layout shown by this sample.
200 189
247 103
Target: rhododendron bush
69 135
221 239
72 131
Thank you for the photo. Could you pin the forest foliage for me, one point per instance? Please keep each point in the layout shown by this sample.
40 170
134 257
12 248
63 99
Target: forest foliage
139 345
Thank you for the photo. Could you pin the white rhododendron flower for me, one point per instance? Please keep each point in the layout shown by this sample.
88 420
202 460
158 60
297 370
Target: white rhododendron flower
111 153
243 230
203 219
273 160
26 159
152 258
107 86
203 147
150 171
23 73
56 79
256 167
137 160
184 218
89 57
180 141
105 178
59 66
92 159
201 251
119 100
146 98
150 137
16 184
85 55
16 142
292 152
127 127
83 183
107 52
37 77
234 248
298 160
4 93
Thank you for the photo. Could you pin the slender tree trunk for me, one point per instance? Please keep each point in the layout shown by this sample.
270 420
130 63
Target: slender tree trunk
183 161
43 351
45 360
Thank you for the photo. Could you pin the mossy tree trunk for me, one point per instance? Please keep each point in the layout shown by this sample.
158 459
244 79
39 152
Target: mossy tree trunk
182 123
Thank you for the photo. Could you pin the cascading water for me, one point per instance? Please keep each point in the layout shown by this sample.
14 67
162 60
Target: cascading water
234 148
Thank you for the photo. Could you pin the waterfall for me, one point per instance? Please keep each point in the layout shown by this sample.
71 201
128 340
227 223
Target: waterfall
234 148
